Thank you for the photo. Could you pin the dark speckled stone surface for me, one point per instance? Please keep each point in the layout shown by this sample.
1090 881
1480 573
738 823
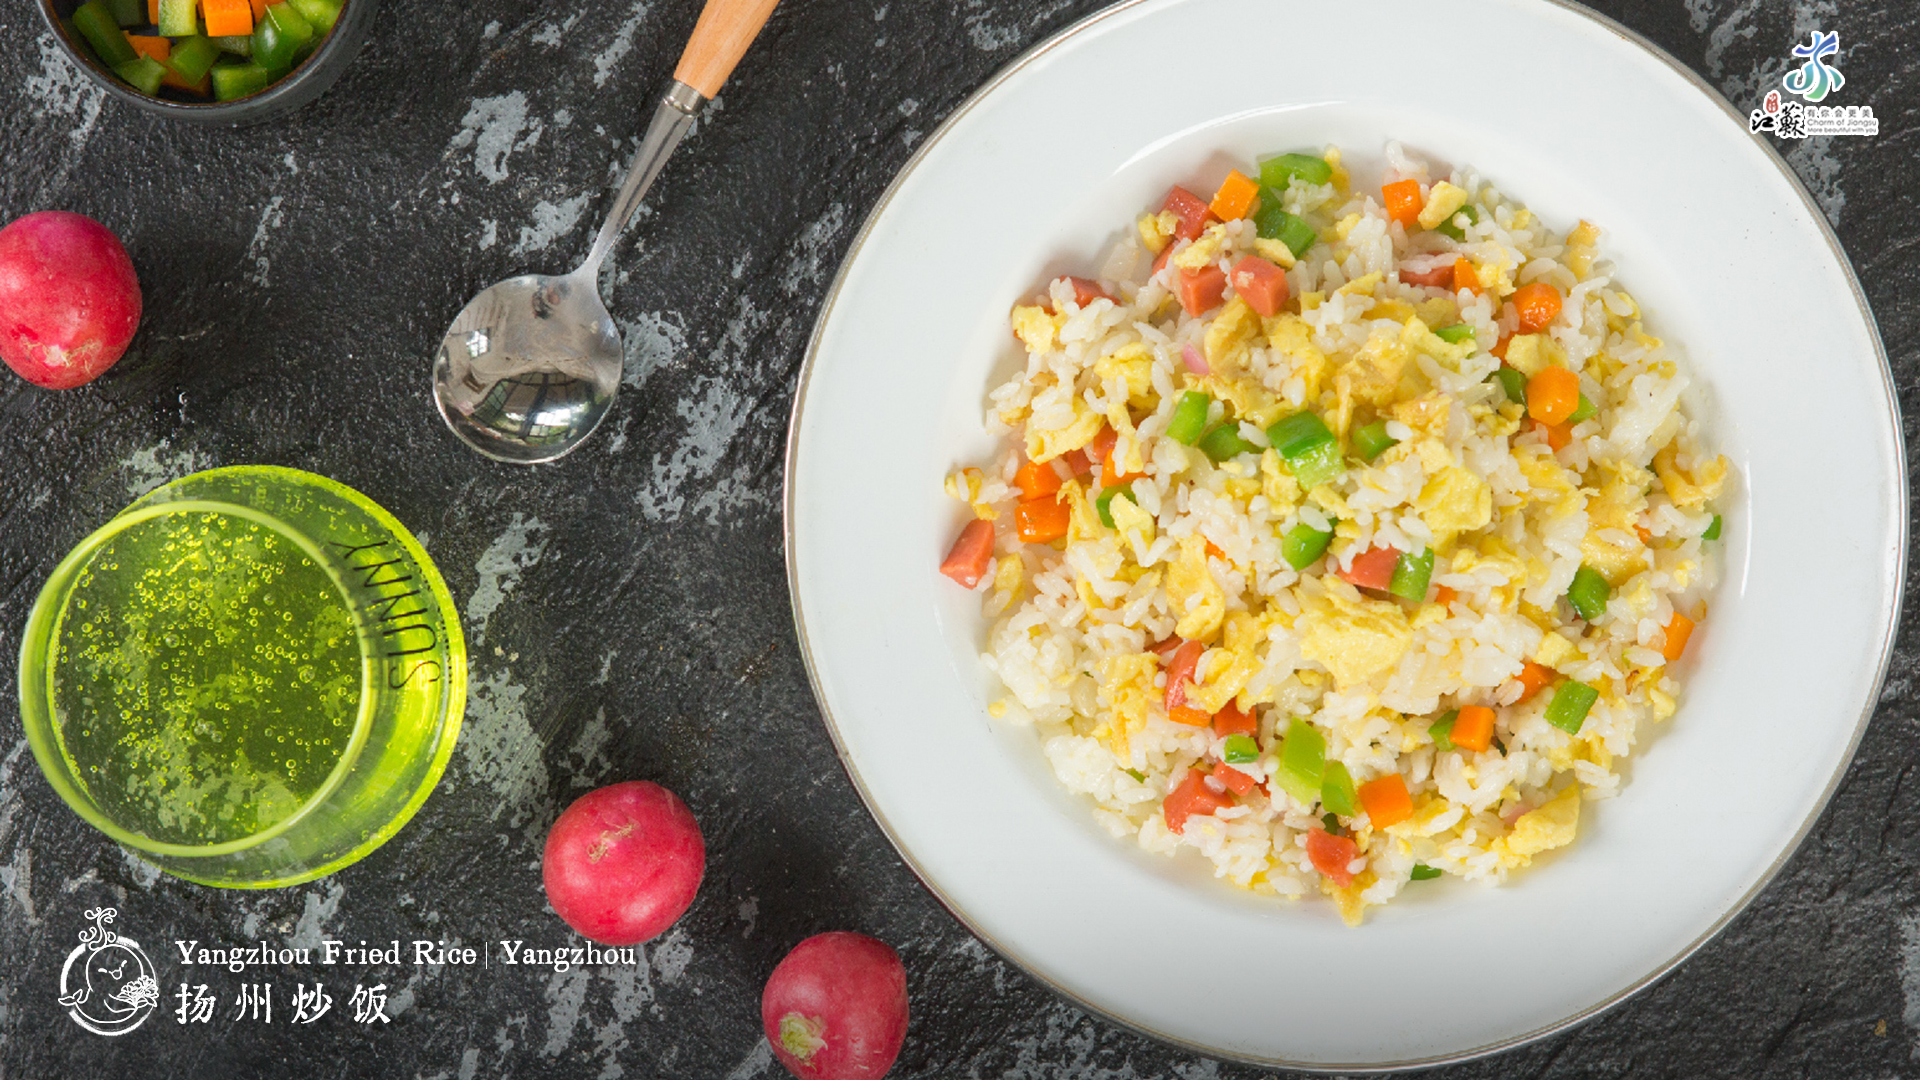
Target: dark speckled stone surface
627 608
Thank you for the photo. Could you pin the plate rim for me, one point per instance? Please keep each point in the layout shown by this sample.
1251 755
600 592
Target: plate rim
1889 633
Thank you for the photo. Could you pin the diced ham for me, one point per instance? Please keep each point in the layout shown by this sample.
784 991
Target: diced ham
1202 290
1373 568
1331 855
1086 291
1440 274
1261 284
1236 781
1190 797
1191 209
972 553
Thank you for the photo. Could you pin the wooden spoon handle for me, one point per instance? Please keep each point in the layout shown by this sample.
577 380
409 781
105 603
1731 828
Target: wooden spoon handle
720 38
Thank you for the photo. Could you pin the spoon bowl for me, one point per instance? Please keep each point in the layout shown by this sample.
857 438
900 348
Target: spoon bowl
529 367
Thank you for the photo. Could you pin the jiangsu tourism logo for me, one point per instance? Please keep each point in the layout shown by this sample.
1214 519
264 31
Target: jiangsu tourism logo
108 985
1815 79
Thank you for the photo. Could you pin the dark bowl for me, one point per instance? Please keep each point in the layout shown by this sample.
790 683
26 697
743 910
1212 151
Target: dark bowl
302 85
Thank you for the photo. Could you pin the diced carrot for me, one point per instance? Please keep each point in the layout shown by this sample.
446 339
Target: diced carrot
1473 728
204 86
1533 679
1500 347
1077 462
1193 214
1036 478
1679 629
1437 275
1373 568
1237 782
1645 535
1202 290
1403 201
1558 435
1331 855
1235 197
1386 800
1553 394
1188 715
1101 445
259 9
1214 552
967 562
1086 290
1466 277
1443 595
1192 796
1261 284
157 47
227 18
1231 721
153 12
1180 673
1110 478
1042 520
1537 305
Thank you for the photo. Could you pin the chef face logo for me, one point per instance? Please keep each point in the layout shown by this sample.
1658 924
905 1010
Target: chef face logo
108 985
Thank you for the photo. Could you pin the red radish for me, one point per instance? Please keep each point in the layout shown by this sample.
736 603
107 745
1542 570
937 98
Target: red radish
69 300
622 863
836 1008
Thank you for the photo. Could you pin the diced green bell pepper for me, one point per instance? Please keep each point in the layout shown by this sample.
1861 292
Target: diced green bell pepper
1224 443
1589 593
1713 530
1240 750
1303 762
143 73
1456 334
1570 704
1514 382
128 12
1189 418
1309 447
97 25
1279 170
1104 504
238 44
1448 227
1303 544
1586 410
232 81
1372 440
1336 790
320 14
178 19
1442 730
1411 575
192 58
1274 223
1423 872
278 38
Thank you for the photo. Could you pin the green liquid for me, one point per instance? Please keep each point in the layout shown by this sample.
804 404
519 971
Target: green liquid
206 677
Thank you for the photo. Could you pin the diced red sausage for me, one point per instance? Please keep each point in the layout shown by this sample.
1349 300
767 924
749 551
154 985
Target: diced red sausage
1086 291
1191 797
1373 568
1202 290
1231 721
1331 854
1441 275
971 554
1261 284
1237 782
1191 209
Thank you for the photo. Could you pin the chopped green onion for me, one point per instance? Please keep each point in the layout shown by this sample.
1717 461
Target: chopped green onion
1455 334
1240 750
1303 762
1586 410
1336 790
192 58
1104 503
1303 544
1589 593
1279 170
232 81
1500 746
1713 530
1448 227
1189 417
1274 223
1411 575
1332 822
1423 872
143 73
177 18
1442 731
1568 710
96 23
1136 774
128 12
1309 447
1514 382
322 14
1224 443
1372 441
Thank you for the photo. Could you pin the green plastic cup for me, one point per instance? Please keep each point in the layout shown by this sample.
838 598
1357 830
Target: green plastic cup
252 677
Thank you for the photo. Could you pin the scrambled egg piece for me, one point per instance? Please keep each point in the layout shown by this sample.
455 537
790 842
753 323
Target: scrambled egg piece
1132 522
1203 249
1528 353
1554 650
1443 201
1454 501
1693 489
1237 662
1426 414
1580 244
964 484
1049 443
1373 375
1126 682
1157 229
1541 829
1278 485
1290 336
1353 637
1274 252
1418 337
1340 178
1230 335
1009 575
1036 329
1083 519
1132 364
1196 598
1251 401
1352 908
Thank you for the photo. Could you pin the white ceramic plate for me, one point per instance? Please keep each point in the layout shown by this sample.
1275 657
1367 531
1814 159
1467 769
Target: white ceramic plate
1034 176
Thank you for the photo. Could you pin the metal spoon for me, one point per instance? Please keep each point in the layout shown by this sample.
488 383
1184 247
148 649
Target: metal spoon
530 366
